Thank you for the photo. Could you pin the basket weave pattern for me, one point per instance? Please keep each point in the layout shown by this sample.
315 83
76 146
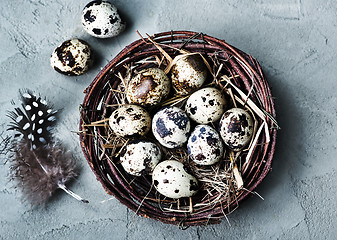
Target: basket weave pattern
138 194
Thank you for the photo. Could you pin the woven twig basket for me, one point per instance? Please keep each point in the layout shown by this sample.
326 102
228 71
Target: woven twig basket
137 193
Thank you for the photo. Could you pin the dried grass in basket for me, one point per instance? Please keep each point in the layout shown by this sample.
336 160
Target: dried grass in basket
241 78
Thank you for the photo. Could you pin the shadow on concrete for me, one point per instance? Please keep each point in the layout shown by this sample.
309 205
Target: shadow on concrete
289 137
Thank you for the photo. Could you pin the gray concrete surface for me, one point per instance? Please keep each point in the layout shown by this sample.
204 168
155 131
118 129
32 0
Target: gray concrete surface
295 42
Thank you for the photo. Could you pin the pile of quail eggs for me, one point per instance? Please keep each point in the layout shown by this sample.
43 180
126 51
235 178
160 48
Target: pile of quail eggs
204 126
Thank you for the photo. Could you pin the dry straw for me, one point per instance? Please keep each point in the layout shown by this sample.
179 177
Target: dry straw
223 185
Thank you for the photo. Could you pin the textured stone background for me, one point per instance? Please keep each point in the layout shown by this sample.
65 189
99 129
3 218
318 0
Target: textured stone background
295 42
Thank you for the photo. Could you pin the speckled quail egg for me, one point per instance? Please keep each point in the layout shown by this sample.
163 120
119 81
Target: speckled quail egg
170 179
171 127
205 146
102 20
140 157
236 128
148 88
206 105
72 57
130 120
188 74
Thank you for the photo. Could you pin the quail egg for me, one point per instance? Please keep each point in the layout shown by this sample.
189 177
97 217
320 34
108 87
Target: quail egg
188 74
236 128
206 105
171 127
205 146
72 57
102 20
130 120
170 179
148 88
140 157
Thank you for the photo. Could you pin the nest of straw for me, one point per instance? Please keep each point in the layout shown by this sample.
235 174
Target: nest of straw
223 185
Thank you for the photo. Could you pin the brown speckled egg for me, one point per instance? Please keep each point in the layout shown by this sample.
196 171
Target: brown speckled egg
188 74
236 128
130 120
206 105
205 146
148 88
73 57
170 179
140 157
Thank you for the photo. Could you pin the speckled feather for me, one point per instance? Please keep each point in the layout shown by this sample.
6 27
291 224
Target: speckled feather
39 164
34 120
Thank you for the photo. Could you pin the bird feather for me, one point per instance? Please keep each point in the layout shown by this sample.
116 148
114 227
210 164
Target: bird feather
39 163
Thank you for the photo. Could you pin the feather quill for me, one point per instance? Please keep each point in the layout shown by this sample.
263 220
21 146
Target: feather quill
39 164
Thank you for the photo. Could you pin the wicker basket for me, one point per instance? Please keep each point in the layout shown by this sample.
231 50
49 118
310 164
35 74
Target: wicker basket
137 193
